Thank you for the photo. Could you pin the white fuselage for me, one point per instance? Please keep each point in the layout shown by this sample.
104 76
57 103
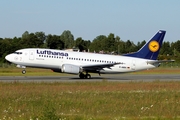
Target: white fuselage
54 59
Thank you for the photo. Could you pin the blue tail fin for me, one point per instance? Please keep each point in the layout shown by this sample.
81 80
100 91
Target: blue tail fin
151 49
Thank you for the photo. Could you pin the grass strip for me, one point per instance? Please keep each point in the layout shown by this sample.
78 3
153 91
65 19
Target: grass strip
90 100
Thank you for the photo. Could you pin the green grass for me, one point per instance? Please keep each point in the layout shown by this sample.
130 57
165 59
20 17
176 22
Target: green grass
90 100
160 70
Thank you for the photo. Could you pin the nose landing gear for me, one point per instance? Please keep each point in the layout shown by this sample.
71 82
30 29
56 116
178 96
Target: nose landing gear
23 71
21 66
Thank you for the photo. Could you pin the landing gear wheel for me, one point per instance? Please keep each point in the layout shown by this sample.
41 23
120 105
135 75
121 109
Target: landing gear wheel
23 71
81 75
84 76
88 76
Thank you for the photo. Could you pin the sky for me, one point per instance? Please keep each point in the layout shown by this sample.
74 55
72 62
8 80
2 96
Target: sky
134 20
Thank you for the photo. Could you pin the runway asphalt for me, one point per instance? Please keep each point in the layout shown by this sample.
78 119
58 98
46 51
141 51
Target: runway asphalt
75 78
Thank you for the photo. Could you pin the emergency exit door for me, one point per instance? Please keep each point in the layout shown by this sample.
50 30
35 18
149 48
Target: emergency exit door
31 55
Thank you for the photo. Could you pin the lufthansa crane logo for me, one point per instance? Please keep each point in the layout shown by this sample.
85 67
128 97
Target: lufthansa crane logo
153 46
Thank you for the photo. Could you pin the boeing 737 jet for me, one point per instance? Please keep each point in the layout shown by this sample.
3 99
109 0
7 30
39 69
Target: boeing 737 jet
82 64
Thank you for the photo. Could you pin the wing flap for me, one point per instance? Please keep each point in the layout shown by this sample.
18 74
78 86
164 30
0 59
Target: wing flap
98 66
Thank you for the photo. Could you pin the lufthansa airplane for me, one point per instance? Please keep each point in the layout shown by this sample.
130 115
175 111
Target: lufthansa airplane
82 64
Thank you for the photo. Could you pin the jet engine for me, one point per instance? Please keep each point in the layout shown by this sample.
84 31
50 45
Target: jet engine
69 68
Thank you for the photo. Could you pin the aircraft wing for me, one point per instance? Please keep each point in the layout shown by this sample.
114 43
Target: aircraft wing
98 66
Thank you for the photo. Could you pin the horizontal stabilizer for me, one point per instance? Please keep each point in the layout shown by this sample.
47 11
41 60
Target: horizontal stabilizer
159 61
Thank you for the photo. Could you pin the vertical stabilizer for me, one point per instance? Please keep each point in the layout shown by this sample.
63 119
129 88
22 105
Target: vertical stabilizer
151 49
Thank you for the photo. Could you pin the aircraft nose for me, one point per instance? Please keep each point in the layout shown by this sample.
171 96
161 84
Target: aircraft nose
8 57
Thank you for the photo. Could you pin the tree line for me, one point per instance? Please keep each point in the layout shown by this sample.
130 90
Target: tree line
109 44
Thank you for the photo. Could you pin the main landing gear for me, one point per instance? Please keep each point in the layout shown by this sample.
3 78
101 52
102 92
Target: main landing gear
84 76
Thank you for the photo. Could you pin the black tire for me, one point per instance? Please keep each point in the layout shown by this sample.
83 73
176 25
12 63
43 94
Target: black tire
81 75
88 76
23 71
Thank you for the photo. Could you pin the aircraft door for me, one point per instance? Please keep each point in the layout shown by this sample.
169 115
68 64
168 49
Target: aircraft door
133 67
31 55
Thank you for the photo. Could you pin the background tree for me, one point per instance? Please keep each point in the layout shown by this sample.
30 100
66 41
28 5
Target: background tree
177 45
140 44
54 42
121 47
87 44
117 44
33 39
41 37
130 46
98 44
81 44
166 49
110 43
5 48
68 39
107 44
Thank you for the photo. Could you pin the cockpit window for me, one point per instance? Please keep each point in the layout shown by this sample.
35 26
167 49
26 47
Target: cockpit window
19 53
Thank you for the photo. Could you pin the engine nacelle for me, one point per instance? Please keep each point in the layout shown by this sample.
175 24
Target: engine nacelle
68 68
